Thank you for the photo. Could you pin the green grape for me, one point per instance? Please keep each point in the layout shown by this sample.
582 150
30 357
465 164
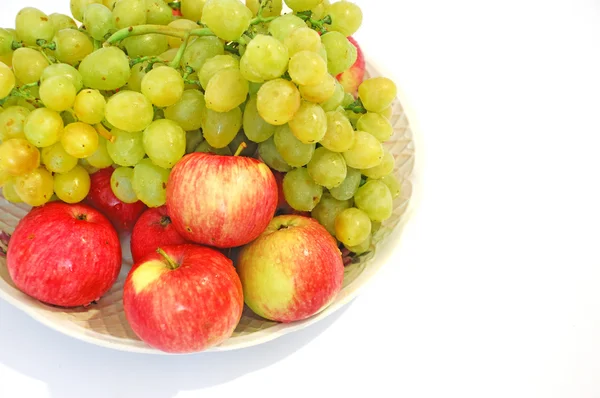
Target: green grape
89 106
98 21
346 17
9 191
226 90
79 140
129 111
341 54
323 53
270 155
352 226
377 93
88 167
302 5
164 142
12 122
36 187
150 183
254 87
7 80
72 46
43 127
353 118
387 113
192 140
158 12
265 58
376 125
214 65
328 209
336 99
138 71
169 55
28 65
327 168
189 112
58 93
127 149
292 150
205 147
4 177
307 68
32 24
121 183
255 126
278 101
78 7
321 91
385 168
366 152
18 156
221 128
72 186
309 124
303 39
361 248
319 12
146 45
281 27
249 150
348 187
300 190
163 86
348 99
272 9
62 21
392 183
228 19
201 50
181 24
110 3
129 13
64 70
101 158
6 41
105 69
192 9
375 199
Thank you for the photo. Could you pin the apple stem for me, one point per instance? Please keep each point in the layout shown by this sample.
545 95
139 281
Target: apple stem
170 262
242 146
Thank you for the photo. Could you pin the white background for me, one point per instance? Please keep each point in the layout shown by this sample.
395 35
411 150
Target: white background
495 287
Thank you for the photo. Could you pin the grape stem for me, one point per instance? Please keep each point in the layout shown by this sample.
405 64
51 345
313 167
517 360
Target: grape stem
156 29
240 149
45 45
259 15
317 25
103 132
356 107
150 59
177 60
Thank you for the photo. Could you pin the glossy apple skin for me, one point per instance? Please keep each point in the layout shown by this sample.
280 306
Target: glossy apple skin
153 229
221 201
64 255
189 309
353 77
101 197
292 271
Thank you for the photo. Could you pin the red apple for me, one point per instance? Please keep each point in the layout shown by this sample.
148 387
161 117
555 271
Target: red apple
64 255
292 271
122 215
353 77
221 201
153 229
185 299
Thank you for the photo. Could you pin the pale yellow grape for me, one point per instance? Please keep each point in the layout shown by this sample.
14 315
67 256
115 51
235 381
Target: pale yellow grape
12 122
321 91
4 177
184 25
376 125
341 53
110 3
302 5
189 112
9 192
163 86
138 71
62 21
309 124
72 186
377 93
89 106
281 27
214 65
79 140
18 156
375 199
327 168
221 128
272 9
366 152
6 40
164 142
393 185
270 155
336 99
255 127
32 24
228 19
36 187
129 13
353 117
303 39
385 168
121 183
146 45
158 12
346 17
78 7
98 21
192 9
328 209
58 93
72 46
300 190
7 80
352 226
339 136
43 127
361 248
307 68
201 50
387 113
265 58
347 189
28 65
105 69
101 158
278 101
226 90
129 111
57 160
127 149
169 55
292 150
150 183
64 70
320 11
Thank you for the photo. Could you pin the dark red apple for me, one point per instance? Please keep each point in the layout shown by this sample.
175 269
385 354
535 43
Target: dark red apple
353 77
122 215
221 201
185 299
153 229
64 255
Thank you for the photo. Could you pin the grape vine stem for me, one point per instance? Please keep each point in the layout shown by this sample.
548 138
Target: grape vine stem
177 60
124 33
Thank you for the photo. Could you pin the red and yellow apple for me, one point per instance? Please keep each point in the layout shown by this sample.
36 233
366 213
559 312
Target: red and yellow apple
292 271
183 298
221 201
64 255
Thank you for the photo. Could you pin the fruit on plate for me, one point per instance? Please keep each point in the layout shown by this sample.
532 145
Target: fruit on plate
221 201
353 77
153 229
101 196
184 298
64 255
292 271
